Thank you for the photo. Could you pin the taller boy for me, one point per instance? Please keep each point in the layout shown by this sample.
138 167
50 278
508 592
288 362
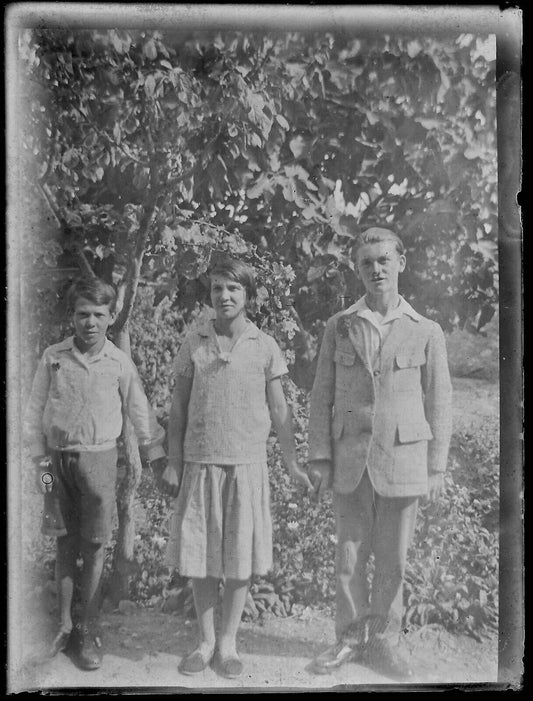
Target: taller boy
380 426
82 389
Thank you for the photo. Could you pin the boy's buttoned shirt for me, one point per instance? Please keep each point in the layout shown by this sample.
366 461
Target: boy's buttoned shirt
390 411
77 402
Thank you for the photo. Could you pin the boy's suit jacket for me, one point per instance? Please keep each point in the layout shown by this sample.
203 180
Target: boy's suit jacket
394 418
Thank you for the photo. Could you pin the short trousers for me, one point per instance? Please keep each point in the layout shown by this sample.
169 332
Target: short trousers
82 500
221 524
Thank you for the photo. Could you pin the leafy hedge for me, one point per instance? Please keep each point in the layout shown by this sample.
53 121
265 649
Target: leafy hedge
452 577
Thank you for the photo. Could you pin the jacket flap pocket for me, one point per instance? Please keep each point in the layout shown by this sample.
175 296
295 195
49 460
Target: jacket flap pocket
337 426
344 358
410 359
413 432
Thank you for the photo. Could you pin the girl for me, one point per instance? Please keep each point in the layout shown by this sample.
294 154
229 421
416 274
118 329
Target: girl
227 377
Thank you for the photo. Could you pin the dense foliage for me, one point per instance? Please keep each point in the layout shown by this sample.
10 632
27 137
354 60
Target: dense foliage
156 149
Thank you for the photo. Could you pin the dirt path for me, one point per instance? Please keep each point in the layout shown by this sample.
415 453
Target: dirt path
143 650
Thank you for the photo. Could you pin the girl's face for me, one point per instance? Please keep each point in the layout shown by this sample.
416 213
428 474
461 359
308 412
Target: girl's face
228 297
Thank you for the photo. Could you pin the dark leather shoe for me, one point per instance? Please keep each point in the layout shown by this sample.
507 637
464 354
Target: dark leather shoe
194 663
332 658
83 649
229 667
351 643
383 658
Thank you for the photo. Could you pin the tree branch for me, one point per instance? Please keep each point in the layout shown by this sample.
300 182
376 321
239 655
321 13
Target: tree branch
350 108
110 140
48 198
133 273
85 265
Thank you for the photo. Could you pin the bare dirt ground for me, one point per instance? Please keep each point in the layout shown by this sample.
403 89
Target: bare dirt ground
143 648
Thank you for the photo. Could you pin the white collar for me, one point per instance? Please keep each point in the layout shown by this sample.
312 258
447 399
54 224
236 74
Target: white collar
68 344
362 309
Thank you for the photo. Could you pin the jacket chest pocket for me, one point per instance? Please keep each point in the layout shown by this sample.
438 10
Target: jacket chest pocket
344 363
409 432
407 366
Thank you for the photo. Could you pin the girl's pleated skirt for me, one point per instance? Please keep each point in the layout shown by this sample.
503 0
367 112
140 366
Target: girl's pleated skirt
221 524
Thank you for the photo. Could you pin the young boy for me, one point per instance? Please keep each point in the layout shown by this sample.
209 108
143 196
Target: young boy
380 425
81 389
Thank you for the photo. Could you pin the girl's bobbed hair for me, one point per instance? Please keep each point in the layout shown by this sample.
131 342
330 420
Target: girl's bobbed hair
236 270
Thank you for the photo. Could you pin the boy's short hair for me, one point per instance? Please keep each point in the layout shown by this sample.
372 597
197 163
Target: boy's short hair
238 271
94 289
377 235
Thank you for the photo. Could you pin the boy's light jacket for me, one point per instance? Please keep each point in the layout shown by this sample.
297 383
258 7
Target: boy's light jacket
394 418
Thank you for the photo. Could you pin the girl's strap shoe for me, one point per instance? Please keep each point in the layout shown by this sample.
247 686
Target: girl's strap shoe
229 667
194 663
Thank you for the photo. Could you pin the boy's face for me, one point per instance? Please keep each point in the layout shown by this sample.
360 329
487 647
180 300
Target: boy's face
228 297
91 322
378 266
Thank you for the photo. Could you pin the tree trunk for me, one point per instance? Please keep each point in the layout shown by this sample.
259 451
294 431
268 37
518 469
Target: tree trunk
129 477
124 565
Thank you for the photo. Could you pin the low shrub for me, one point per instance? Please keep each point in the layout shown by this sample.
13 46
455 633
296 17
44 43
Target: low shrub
452 574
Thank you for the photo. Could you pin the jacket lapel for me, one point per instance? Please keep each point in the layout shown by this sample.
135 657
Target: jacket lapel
355 334
401 331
